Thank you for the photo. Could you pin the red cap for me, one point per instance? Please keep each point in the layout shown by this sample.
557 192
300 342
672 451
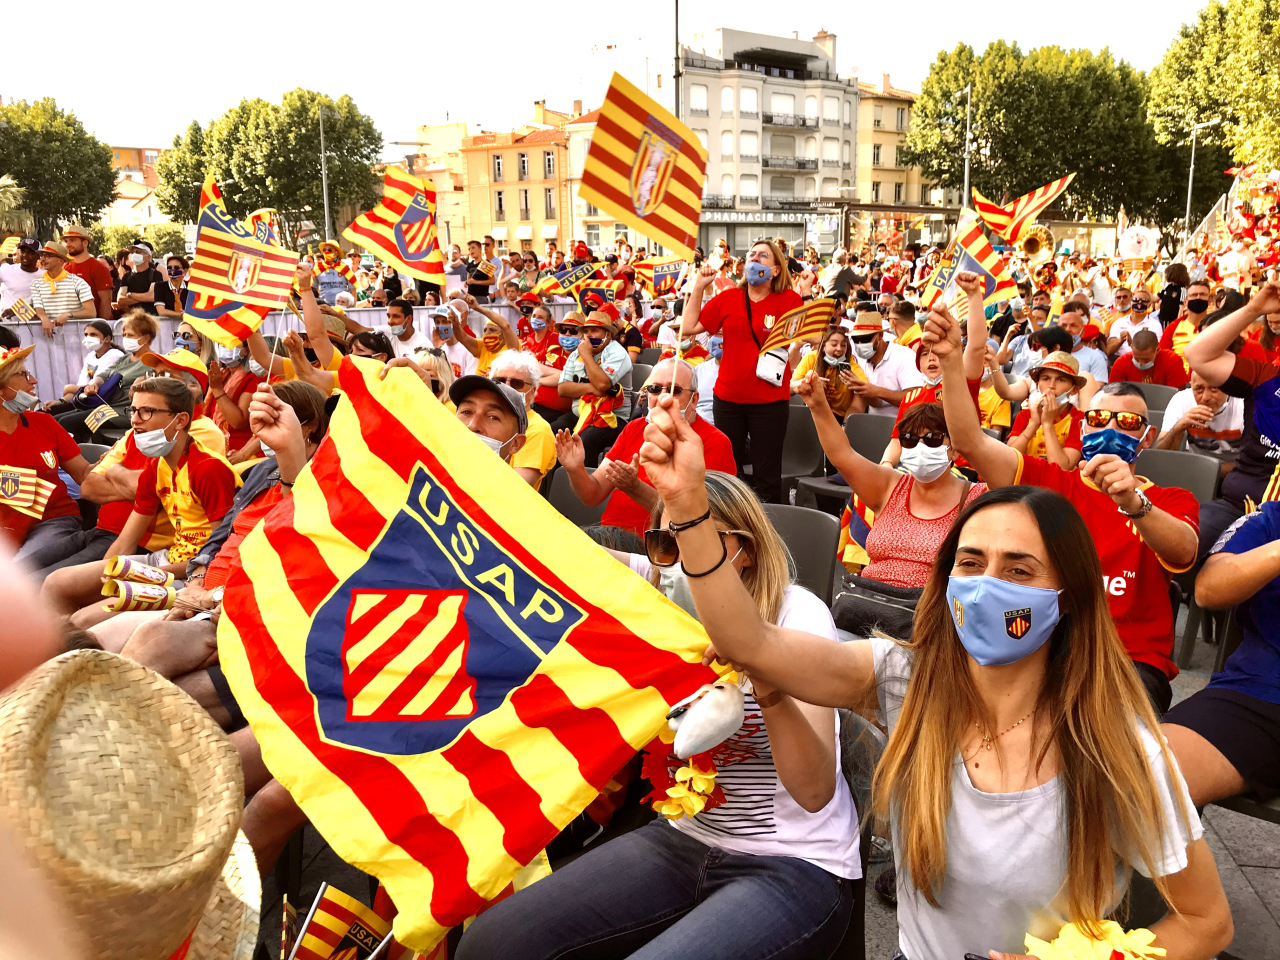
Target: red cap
1091 331
593 298
581 252
528 298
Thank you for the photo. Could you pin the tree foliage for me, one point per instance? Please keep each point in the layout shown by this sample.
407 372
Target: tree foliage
65 170
268 155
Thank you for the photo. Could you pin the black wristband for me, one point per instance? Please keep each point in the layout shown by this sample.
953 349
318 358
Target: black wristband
681 527
724 555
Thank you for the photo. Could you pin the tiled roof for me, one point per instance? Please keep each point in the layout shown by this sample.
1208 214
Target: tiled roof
543 136
592 117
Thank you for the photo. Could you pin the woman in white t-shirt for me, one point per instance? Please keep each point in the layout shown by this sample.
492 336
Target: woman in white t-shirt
767 873
101 353
1025 773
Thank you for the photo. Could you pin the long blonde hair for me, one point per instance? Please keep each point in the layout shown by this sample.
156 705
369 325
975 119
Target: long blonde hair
734 504
1090 700
783 280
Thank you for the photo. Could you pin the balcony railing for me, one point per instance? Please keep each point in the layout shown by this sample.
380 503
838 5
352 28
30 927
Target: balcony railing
790 163
830 122
846 164
717 201
748 158
790 120
831 163
499 214
748 200
749 114
786 202
698 112
550 213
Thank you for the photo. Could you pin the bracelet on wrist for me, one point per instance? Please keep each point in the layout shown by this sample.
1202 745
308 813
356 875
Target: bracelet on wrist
675 527
724 555
769 699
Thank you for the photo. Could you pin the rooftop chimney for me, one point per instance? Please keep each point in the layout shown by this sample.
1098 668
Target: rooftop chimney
577 108
887 85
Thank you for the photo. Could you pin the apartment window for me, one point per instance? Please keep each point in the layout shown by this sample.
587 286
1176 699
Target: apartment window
150 156
593 210
499 202
848 112
593 235
902 118
726 184
830 186
875 191
549 202
810 186
924 193
749 100
877 117
781 145
702 137
698 98
811 147
497 166
831 149
526 245
845 152
782 186
782 102
726 145
523 163
831 108
524 204
749 184
811 107
875 155
897 193
548 164
726 101
620 232
749 144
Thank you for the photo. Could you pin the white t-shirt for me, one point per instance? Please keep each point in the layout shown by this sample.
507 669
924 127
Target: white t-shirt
93 365
15 283
1221 437
759 816
460 358
613 360
1127 324
420 340
896 370
705 375
1007 852
1094 361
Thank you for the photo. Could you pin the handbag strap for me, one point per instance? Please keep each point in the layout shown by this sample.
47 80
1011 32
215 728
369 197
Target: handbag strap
751 324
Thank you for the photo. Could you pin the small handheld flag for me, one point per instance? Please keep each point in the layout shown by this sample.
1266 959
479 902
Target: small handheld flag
804 322
660 274
24 490
339 927
232 263
562 284
646 168
1012 221
402 228
8 246
23 310
969 250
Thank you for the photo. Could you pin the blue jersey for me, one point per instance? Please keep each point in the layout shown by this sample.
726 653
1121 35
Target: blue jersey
1254 668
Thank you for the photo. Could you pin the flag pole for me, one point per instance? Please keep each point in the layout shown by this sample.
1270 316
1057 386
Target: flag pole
297 940
381 948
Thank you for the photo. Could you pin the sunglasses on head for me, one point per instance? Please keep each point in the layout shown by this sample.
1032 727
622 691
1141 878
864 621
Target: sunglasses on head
515 383
657 389
662 550
1124 420
909 440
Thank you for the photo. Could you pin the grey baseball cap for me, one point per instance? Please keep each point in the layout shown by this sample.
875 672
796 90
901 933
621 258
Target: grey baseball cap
463 387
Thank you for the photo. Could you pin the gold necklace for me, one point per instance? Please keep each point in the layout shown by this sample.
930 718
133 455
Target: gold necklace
988 741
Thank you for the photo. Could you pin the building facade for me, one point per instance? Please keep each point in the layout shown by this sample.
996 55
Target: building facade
137 164
780 129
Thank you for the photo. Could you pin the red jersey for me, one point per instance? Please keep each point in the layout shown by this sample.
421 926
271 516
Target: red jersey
39 443
1135 579
1168 370
928 394
550 352
621 510
729 310
228 556
95 273
1067 429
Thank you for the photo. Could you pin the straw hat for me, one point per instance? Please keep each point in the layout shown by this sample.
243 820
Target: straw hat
1061 362
10 359
129 796
598 318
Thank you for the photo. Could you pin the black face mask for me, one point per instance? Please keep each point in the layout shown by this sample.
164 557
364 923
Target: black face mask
1198 305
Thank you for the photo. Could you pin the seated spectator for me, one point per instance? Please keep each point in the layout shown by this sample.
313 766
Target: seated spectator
836 373
906 329
651 891
889 368
1265 336
231 388
620 477
1123 330
37 515
1178 334
439 373
451 335
520 371
138 333
1143 533
374 346
995 412
1089 359
914 507
401 329
492 411
1148 362
1227 736
624 314
591 378
497 336
1211 356
1207 419
1004 834
1056 378
193 485
1025 349
101 353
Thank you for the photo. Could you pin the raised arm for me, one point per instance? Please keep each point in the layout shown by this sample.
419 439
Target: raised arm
976 348
689 325
502 323
872 482
996 463
1207 352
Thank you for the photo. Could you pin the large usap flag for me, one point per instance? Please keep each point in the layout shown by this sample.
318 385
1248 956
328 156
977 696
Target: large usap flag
441 669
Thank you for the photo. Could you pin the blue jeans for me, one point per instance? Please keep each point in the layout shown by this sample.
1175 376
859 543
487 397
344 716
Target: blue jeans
656 894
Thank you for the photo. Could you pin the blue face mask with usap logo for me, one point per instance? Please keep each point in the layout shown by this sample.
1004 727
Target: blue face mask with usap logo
1001 622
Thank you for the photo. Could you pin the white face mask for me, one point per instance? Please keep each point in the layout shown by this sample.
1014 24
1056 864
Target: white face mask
673 582
266 450
494 445
933 381
154 443
136 259
130 344
91 343
865 351
925 463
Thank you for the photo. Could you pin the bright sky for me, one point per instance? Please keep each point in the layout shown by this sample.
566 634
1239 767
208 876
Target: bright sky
407 64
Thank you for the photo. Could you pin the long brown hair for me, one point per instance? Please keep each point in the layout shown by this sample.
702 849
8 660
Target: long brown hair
1090 701
783 280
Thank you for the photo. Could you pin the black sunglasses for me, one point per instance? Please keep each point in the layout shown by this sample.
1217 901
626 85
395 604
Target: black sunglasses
871 338
657 389
909 440
515 383
567 330
662 550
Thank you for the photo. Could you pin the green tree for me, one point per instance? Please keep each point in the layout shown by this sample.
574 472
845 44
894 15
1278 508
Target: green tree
181 173
107 241
268 155
166 238
13 218
1187 85
66 172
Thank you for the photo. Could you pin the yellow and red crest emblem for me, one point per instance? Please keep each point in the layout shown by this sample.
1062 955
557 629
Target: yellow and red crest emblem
50 457
10 484
652 168
243 268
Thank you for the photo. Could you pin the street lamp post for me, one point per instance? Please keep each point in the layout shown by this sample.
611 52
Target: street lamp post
324 178
1191 172
968 118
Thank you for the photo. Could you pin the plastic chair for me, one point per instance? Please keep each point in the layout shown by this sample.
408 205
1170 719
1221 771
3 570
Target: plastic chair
1157 396
93 452
868 434
1199 475
649 355
569 506
861 745
812 537
801 451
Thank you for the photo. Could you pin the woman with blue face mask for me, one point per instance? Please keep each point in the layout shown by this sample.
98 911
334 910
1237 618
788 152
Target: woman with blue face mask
231 387
711 884
189 338
1025 772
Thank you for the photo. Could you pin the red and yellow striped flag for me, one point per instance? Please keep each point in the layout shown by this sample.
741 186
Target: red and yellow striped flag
236 262
607 290
804 322
1012 221
969 250
660 274
402 228
439 667
339 927
646 168
24 490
